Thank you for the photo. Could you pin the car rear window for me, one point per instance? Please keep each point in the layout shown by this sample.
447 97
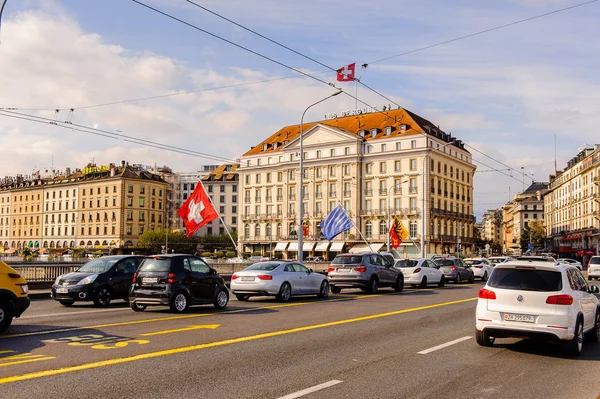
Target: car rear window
526 279
473 261
267 266
406 263
595 260
156 265
346 260
444 262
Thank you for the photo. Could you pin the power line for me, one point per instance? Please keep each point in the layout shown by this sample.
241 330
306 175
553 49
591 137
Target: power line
485 31
495 160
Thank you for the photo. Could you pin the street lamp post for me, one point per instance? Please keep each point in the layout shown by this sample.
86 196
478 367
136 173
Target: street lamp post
423 204
299 230
389 213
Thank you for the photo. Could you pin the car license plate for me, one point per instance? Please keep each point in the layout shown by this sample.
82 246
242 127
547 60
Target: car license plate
344 270
152 280
62 290
525 318
247 279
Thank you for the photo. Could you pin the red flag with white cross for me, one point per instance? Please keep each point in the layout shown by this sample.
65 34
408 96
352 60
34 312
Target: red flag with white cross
197 210
346 73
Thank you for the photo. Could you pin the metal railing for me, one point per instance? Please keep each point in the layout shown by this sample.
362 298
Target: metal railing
39 273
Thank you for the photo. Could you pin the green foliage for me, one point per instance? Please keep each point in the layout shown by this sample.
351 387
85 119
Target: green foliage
221 242
178 242
218 254
256 253
206 254
537 234
230 254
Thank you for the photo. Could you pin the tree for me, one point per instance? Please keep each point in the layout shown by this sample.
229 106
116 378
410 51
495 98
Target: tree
537 234
221 242
525 239
154 240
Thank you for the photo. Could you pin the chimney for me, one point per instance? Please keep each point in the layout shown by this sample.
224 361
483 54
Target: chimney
67 172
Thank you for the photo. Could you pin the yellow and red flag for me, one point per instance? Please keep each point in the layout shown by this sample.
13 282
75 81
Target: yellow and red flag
397 233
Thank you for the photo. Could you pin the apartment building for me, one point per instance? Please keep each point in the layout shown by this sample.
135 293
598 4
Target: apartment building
5 210
26 213
524 208
222 186
375 164
491 226
572 204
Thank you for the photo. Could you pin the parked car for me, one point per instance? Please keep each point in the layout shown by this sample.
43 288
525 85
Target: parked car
482 268
13 295
177 281
535 258
571 262
281 279
100 280
494 260
593 268
367 271
420 272
455 269
538 299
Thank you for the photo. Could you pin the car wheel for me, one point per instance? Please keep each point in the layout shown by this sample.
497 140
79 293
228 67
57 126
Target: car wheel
243 298
179 303
457 280
399 284
6 316
285 292
66 303
485 276
324 290
484 338
221 299
137 307
442 281
594 333
575 346
373 286
336 290
103 297
423 282
472 278
589 278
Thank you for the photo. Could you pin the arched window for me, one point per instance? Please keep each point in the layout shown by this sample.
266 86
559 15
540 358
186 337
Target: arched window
257 230
278 232
269 231
369 229
247 231
51 244
382 228
81 244
45 244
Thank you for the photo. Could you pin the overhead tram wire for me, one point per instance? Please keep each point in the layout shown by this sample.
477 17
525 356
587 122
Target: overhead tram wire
485 31
494 159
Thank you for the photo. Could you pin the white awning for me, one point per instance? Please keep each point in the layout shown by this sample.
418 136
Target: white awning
293 246
281 246
322 246
308 246
358 248
336 246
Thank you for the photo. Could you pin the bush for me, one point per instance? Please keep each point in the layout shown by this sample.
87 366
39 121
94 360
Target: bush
218 254
256 253
230 254
206 254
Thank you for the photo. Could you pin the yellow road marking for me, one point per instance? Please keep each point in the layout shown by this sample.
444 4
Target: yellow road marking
208 326
27 361
151 355
8 351
182 317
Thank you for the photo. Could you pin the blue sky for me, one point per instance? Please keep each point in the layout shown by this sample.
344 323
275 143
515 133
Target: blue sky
506 93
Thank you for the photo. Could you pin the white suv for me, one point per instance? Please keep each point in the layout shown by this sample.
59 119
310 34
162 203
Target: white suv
594 268
537 299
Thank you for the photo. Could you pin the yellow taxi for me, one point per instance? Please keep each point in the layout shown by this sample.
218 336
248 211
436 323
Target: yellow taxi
13 295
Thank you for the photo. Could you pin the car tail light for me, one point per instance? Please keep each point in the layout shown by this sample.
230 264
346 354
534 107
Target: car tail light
417 270
361 269
134 278
330 269
265 277
171 278
234 276
484 293
562 299
453 267
479 267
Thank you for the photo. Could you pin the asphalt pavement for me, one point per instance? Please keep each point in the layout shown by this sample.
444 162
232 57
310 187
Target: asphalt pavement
415 344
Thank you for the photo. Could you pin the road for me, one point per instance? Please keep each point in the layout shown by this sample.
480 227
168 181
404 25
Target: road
352 345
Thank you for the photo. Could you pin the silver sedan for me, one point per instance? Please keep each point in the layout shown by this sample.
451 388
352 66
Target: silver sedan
280 279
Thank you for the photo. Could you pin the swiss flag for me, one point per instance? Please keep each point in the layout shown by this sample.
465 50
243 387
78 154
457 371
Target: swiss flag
197 210
346 73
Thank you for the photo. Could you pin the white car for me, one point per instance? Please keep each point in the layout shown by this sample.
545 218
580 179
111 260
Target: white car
498 259
572 262
593 268
277 278
420 272
537 299
482 268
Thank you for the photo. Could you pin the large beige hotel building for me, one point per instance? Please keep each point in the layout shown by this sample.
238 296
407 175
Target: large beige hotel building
375 164
101 207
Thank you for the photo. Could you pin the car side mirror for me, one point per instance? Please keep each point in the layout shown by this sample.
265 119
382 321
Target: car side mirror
594 289
311 271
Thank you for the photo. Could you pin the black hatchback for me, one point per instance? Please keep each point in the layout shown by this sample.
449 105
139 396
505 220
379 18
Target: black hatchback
177 281
100 280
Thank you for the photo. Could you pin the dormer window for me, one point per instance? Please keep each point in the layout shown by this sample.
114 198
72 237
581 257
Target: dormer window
275 145
402 128
373 132
388 130
265 146
361 133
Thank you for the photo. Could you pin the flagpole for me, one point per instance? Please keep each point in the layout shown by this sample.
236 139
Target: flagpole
222 221
357 228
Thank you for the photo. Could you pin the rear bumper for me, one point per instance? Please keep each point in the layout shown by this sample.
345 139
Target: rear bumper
150 297
266 289
348 283
21 305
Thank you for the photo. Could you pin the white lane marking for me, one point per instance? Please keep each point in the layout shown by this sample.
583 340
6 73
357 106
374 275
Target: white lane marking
442 346
311 390
41 316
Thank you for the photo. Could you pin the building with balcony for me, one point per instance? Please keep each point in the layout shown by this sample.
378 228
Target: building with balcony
491 226
572 205
524 208
222 185
374 164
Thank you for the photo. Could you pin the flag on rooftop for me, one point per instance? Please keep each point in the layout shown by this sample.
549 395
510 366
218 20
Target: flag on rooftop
335 223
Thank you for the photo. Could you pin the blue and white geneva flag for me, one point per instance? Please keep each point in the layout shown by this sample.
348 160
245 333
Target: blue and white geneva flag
335 223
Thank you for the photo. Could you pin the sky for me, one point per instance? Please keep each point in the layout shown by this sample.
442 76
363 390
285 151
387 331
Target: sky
517 96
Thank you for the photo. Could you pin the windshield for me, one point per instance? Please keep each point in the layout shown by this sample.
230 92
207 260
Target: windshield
473 261
595 260
266 266
156 265
526 279
99 265
346 260
406 263
444 262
